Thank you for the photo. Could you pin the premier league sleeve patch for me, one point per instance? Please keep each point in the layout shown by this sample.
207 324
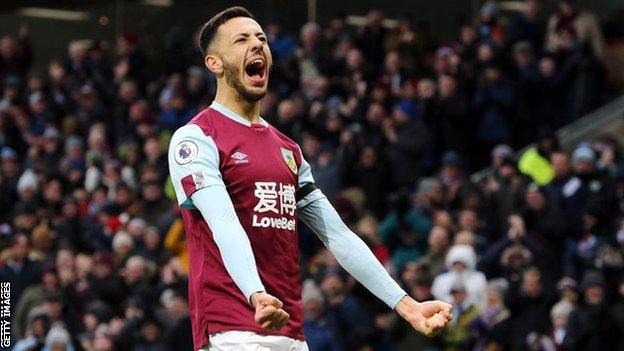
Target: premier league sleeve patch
185 152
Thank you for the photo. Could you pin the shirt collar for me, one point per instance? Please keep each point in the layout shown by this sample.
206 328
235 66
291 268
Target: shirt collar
233 115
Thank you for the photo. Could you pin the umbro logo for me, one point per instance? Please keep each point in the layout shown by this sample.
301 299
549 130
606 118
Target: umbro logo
239 157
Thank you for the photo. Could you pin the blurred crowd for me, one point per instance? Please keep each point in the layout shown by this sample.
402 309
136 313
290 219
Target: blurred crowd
392 121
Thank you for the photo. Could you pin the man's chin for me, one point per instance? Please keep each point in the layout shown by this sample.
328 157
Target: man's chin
254 94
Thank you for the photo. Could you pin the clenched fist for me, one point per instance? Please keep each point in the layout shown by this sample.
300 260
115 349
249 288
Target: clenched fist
427 318
269 312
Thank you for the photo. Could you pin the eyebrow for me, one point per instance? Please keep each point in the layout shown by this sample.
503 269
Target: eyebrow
246 35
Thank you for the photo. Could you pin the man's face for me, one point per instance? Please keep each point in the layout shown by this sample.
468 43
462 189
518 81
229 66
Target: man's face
446 85
243 48
561 164
459 296
421 292
532 285
594 294
584 166
438 239
313 308
493 298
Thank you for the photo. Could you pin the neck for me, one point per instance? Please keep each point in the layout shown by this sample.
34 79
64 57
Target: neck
250 110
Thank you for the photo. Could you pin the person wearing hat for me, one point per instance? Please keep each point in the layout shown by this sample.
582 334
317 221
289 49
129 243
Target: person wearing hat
40 109
453 177
488 27
10 168
58 339
319 334
407 139
27 186
457 334
461 261
491 328
52 150
596 188
504 188
559 315
592 326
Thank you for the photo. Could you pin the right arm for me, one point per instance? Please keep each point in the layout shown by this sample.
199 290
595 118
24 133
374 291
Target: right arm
194 168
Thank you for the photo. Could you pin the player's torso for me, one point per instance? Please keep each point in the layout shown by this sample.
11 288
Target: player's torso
260 167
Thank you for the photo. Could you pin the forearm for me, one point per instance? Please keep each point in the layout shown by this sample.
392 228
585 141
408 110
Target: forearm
350 251
216 207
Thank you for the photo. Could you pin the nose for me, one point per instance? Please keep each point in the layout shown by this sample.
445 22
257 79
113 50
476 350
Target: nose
256 44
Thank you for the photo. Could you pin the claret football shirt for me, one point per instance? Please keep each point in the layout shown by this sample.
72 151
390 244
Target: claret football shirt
263 172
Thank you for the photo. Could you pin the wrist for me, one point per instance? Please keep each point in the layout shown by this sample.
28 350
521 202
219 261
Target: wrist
253 298
405 305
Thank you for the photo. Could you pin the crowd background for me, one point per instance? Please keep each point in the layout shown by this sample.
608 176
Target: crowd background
393 122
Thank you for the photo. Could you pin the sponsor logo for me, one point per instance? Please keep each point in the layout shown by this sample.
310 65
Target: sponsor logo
277 223
276 198
185 152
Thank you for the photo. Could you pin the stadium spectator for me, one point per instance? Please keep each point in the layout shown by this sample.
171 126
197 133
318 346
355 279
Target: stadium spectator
461 264
393 121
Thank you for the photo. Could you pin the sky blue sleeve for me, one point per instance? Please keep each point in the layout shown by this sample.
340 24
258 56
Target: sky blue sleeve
216 207
194 169
350 251
193 163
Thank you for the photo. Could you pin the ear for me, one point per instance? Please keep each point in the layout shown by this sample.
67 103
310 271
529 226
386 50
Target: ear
214 64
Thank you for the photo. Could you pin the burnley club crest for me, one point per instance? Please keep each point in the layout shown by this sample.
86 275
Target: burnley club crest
289 158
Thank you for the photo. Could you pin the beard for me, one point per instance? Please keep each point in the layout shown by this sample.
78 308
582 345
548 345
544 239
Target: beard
233 78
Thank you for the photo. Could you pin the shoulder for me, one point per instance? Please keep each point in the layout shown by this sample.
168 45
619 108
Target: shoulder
204 120
282 136
188 142
190 131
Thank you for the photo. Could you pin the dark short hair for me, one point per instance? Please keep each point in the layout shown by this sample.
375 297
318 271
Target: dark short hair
209 29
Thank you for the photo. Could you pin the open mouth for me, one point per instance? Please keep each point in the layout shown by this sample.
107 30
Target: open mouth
255 71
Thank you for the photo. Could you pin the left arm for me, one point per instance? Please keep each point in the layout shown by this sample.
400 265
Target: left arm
355 257
350 251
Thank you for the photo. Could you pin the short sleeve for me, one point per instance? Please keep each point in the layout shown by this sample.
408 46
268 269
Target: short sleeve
305 173
193 163
307 191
